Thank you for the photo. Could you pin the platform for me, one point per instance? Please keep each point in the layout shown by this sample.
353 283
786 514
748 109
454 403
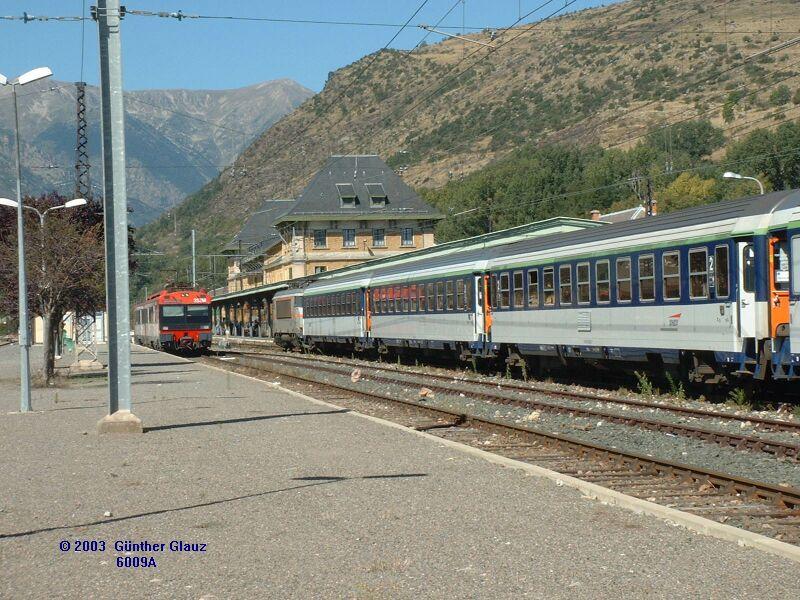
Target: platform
294 499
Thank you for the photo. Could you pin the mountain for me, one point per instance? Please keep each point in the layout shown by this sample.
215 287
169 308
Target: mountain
177 140
603 76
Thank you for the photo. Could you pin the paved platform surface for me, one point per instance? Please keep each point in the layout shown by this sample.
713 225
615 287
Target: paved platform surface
298 500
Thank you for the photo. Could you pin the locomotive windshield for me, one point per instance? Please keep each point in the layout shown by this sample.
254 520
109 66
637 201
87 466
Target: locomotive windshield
180 315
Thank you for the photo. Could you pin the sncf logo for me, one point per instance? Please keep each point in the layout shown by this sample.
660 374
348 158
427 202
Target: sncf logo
671 322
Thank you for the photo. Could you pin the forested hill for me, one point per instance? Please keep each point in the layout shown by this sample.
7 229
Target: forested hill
600 78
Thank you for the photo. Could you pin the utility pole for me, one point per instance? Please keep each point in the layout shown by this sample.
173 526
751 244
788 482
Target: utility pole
24 321
120 419
194 263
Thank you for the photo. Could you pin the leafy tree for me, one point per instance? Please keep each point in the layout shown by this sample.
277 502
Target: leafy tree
695 138
775 155
727 112
686 191
64 262
780 96
796 97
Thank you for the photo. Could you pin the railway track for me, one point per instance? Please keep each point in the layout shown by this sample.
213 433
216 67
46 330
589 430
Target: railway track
539 398
764 508
765 423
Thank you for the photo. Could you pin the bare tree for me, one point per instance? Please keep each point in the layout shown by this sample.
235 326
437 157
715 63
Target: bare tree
64 261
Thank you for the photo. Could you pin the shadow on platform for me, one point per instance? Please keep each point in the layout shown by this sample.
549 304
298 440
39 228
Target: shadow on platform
243 420
314 481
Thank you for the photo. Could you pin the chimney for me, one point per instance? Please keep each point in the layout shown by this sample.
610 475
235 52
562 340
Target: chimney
595 215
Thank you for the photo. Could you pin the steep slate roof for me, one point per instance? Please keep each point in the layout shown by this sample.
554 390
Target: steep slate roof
320 198
260 226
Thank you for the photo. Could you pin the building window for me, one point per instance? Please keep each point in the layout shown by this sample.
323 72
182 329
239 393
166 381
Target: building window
377 195
721 272
549 286
584 293
407 236
319 269
519 290
698 274
533 288
320 239
672 275
290 272
602 279
565 284
348 238
347 194
505 290
647 287
379 238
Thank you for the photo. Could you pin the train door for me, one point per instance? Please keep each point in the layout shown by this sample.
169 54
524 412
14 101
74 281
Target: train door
778 285
746 313
479 313
794 304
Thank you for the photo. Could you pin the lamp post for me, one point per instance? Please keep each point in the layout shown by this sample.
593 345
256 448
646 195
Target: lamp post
24 339
11 204
732 175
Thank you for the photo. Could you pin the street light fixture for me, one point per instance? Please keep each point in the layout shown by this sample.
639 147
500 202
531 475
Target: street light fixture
732 175
24 340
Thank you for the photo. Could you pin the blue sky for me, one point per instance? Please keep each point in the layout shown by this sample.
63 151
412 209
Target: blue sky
217 54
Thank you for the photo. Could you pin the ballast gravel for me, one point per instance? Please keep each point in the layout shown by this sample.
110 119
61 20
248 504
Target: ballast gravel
752 465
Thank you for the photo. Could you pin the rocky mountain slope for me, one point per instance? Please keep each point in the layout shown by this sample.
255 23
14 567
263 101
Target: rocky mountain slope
600 76
177 140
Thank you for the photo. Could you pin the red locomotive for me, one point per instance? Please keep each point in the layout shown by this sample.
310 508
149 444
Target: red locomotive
174 319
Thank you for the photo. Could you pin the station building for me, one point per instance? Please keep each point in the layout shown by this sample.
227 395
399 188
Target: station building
355 209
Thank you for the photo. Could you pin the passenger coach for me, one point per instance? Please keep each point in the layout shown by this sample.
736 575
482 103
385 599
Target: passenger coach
710 292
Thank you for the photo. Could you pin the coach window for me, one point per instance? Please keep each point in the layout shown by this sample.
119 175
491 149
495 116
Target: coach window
505 290
470 287
376 302
519 290
602 280
795 265
584 291
565 284
493 291
450 300
422 303
670 261
412 296
549 286
533 288
439 295
398 300
647 285
624 280
431 298
461 302
722 272
405 298
698 274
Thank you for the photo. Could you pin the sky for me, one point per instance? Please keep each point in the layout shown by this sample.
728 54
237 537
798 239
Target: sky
163 53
